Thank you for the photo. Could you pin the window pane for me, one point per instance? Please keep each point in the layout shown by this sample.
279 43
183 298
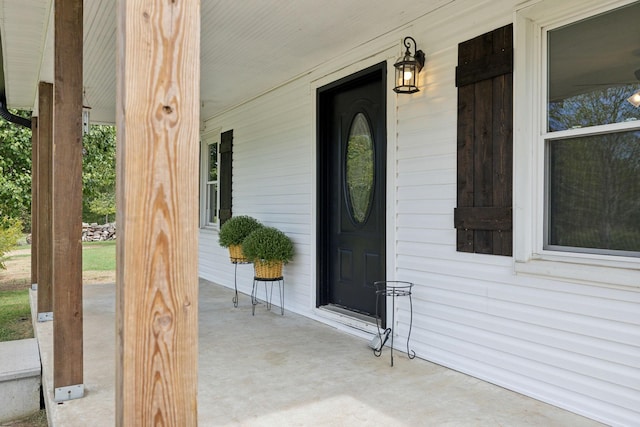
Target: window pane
594 192
593 66
213 162
212 203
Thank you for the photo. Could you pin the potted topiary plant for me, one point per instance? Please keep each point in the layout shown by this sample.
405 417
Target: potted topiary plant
233 232
268 248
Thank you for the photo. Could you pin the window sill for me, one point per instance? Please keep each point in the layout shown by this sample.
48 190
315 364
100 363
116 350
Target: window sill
614 274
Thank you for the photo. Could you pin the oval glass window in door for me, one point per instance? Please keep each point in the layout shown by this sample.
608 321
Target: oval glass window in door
359 168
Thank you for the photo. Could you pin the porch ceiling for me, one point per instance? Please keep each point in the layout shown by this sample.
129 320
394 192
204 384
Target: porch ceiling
247 47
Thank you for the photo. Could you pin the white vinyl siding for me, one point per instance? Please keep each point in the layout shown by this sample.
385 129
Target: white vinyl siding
272 160
563 340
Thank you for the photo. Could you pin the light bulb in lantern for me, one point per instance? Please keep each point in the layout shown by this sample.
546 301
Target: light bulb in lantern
635 99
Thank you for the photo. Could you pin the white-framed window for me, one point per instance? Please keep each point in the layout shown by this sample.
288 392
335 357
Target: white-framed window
592 134
209 188
577 141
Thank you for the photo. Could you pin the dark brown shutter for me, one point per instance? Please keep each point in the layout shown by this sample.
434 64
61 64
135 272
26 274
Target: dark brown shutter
484 78
226 160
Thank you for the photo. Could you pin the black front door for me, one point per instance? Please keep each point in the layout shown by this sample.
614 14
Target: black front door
352 172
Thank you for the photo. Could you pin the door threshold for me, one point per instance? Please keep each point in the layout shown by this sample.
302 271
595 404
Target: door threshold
349 313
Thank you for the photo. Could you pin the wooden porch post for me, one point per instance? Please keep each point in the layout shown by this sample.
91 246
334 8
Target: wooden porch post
157 114
45 191
67 202
34 201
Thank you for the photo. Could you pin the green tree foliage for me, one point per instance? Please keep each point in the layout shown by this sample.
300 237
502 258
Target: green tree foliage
15 170
104 204
99 173
10 232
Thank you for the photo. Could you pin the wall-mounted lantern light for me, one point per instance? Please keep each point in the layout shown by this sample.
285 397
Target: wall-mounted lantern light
407 68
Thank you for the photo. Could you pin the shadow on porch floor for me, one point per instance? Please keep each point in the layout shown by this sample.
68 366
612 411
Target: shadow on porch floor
272 370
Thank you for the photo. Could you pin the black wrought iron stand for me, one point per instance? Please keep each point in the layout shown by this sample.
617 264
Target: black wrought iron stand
267 295
237 261
393 289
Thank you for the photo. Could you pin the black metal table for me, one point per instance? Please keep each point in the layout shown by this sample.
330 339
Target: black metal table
393 289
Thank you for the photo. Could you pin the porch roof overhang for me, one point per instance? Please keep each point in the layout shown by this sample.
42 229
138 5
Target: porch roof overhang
247 48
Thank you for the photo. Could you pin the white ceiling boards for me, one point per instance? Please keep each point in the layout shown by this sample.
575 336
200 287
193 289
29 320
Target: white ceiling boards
247 47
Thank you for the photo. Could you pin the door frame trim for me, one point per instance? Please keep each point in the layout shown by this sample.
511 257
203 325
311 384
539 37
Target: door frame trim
321 236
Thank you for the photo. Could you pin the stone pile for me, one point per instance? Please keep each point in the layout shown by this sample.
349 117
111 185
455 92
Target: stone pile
94 232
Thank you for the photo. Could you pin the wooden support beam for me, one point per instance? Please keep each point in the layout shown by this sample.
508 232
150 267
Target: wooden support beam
34 201
157 113
45 194
67 202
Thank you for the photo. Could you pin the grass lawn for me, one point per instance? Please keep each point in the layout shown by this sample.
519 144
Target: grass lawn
99 256
98 266
15 315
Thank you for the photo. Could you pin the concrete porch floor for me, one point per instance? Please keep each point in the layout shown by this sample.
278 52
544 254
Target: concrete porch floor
272 370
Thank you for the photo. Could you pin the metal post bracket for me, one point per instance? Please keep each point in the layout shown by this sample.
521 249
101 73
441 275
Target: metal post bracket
69 392
46 316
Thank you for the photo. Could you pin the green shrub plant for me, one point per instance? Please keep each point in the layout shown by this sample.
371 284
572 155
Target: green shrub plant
236 229
268 244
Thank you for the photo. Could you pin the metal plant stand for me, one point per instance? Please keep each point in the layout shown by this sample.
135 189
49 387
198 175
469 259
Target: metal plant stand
267 295
393 289
237 261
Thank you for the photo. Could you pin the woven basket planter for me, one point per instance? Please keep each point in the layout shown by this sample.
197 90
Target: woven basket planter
267 270
236 255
